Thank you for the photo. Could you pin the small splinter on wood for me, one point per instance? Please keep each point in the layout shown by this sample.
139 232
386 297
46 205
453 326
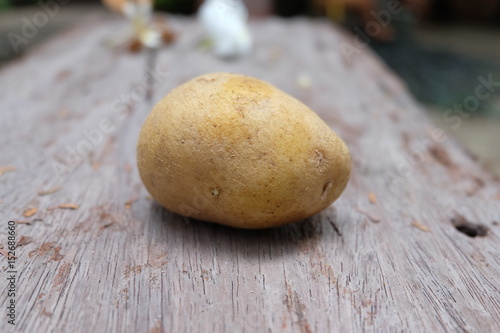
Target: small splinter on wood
420 226
69 206
5 253
6 169
372 198
370 216
23 222
30 212
49 191
129 202
65 206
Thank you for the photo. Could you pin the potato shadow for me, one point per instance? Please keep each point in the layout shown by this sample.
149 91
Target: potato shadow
252 245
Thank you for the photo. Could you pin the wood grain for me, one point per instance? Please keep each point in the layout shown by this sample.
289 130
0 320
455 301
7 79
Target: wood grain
118 262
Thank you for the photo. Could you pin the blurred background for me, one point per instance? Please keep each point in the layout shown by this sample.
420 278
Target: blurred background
438 47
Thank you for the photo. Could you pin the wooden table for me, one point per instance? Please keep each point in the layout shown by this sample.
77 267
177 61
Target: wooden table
385 257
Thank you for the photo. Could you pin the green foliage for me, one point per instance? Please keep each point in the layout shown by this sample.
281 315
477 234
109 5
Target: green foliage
439 77
4 4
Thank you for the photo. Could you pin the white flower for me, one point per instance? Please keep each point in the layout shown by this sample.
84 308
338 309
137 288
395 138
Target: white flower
225 22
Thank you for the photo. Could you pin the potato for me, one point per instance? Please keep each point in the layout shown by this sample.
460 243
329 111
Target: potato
235 150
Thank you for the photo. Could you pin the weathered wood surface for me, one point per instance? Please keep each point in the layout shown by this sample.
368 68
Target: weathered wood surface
121 263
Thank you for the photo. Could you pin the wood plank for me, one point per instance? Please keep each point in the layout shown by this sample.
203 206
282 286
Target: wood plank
121 263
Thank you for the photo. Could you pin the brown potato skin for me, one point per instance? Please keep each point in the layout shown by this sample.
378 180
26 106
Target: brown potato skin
235 150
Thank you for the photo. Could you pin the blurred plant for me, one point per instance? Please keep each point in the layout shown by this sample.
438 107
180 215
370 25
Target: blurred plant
4 4
440 78
143 30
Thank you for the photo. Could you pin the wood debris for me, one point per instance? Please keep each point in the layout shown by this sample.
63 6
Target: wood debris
23 222
441 155
373 218
478 184
5 253
149 197
56 256
107 225
47 313
372 198
24 240
63 74
420 226
49 191
69 206
129 203
135 45
63 112
65 206
167 36
6 169
30 212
